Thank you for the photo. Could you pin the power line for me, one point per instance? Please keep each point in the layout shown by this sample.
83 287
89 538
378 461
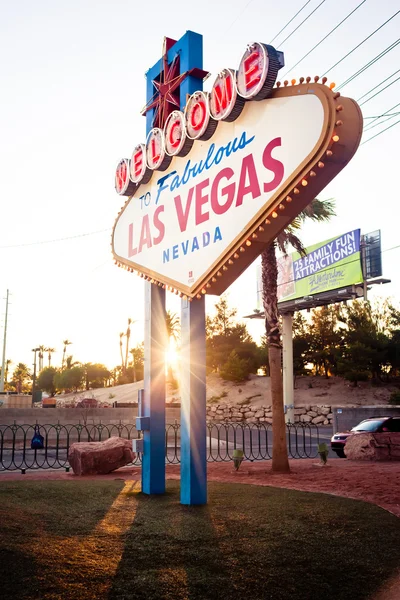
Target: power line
382 90
369 64
380 132
361 43
302 23
239 15
72 237
388 118
379 84
327 35
380 116
292 19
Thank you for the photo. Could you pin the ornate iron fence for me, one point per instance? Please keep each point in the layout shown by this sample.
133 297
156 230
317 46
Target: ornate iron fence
254 439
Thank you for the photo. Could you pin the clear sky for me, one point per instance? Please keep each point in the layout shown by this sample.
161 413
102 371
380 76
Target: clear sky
72 86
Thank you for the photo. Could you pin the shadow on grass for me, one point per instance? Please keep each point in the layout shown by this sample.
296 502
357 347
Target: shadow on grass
46 550
259 543
102 540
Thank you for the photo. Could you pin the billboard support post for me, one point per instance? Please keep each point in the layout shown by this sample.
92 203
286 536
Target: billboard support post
363 265
287 354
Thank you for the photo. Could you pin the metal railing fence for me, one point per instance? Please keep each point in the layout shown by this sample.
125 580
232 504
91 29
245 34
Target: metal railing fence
255 439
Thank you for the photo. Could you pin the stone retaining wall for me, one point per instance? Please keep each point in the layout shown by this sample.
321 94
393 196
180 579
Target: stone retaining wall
304 413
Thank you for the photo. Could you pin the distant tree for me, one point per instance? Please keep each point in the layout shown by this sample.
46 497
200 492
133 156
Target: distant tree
235 368
137 363
49 353
224 334
8 363
356 362
45 380
121 335
127 341
70 379
41 356
367 332
21 378
96 375
66 343
173 327
325 339
224 320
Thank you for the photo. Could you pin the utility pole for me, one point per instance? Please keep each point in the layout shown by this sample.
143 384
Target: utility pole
3 362
34 373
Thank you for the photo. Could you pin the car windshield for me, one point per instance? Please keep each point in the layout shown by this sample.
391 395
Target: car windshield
368 425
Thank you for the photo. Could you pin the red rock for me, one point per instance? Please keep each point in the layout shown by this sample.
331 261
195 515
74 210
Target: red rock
90 458
373 446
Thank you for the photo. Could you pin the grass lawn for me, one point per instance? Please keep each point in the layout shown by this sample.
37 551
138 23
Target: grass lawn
103 540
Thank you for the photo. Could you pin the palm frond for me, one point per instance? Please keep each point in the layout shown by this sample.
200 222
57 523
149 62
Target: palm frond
318 210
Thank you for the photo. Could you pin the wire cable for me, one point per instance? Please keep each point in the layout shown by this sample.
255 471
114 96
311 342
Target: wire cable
388 118
327 35
302 23
380 132
369 64
384 114
380 91
288 23
239 15
361 43
379 84
71 237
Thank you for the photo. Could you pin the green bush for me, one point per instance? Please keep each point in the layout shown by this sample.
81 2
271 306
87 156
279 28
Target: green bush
236 369
395 398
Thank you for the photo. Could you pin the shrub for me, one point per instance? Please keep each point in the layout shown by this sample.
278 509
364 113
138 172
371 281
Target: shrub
395 398
236 369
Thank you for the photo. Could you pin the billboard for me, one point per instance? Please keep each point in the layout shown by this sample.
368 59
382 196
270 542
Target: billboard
326 266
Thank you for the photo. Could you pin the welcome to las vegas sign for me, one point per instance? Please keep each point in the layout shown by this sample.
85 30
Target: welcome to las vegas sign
208 192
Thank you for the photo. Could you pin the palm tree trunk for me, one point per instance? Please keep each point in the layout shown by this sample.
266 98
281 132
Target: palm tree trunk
280 462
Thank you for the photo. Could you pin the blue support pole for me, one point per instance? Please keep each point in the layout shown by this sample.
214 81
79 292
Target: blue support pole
193 403
193 412
155 335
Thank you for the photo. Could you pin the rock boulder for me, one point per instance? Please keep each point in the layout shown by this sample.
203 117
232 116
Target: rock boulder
373 446
90 458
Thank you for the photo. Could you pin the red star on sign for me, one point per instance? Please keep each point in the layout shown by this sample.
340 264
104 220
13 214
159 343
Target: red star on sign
167 97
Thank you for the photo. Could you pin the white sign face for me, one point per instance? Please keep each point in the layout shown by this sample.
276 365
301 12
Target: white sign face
180 224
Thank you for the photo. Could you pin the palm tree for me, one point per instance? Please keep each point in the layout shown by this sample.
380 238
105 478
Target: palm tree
69 362
172 324
8 363
20 375
128 335
49 353
137 359
41 355
317 211
121 335
66 343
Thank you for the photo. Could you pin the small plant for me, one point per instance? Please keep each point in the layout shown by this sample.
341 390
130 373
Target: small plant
323 453
395 398
237 458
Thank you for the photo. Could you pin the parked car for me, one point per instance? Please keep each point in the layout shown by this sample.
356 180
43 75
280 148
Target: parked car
372 425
